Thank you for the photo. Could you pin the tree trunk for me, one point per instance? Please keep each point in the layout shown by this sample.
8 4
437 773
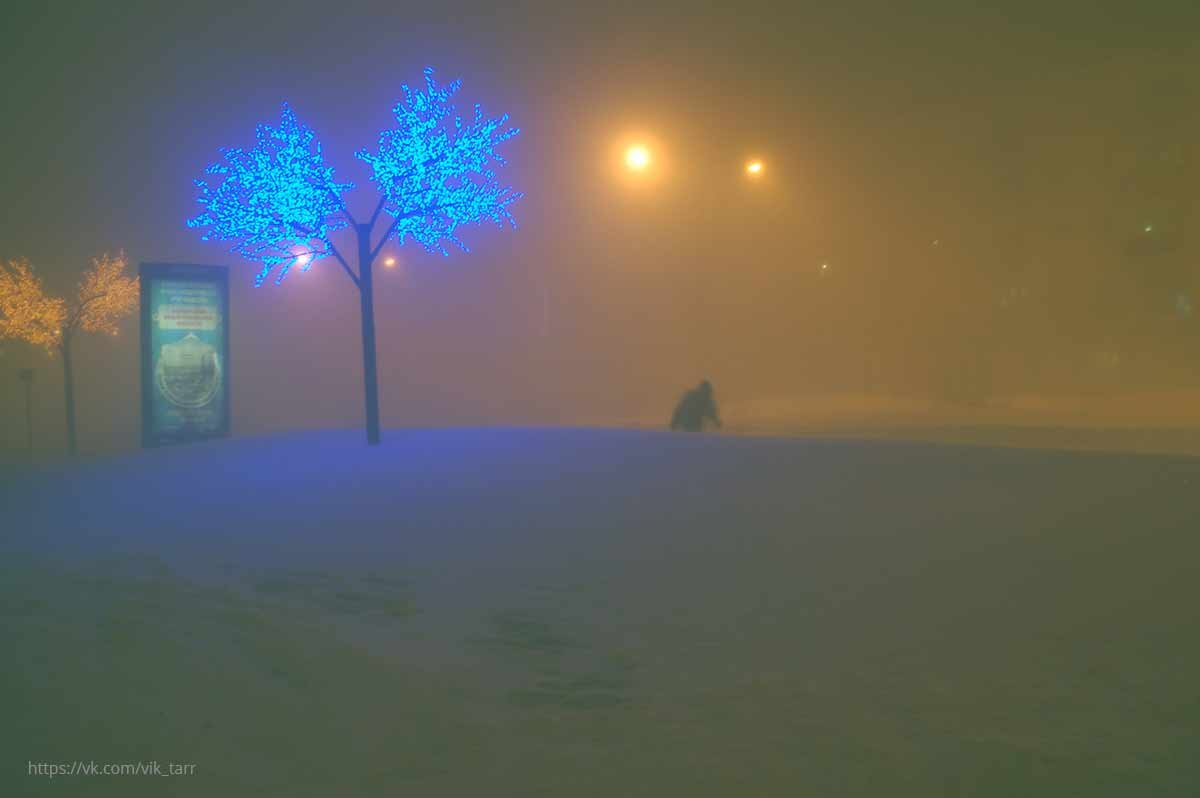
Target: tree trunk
29 414
69 397
366 293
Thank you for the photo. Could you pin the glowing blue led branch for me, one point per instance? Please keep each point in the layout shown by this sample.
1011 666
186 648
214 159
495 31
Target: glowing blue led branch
278 203
434 174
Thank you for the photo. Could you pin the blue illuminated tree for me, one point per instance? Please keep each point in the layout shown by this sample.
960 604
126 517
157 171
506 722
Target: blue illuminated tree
280 206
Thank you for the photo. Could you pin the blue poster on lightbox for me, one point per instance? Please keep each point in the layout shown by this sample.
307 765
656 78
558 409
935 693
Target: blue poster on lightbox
185 353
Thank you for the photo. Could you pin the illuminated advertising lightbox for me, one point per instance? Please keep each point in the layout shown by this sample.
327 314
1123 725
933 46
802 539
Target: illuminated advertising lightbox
185 353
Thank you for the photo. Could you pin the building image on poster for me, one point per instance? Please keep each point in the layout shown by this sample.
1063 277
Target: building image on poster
185 348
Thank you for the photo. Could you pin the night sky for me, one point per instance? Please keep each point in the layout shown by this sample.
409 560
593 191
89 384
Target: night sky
1006 191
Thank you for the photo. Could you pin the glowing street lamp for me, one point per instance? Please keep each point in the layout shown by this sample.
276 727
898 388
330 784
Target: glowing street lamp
637 158
755 168
303 260
389 262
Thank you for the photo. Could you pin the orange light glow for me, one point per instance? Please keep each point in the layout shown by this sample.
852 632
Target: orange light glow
637 158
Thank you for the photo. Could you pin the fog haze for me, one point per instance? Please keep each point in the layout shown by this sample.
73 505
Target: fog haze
963 213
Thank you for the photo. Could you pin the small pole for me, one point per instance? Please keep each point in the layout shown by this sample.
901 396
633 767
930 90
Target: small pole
26 376
69 395
545 311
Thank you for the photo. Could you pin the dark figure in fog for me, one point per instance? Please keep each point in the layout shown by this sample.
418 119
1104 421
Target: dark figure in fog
696 407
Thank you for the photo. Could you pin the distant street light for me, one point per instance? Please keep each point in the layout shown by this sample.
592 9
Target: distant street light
389 262
755 168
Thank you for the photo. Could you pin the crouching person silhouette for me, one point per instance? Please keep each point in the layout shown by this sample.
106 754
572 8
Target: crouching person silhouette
696 407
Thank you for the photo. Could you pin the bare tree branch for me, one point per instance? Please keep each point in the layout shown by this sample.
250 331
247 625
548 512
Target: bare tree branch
341 260
378 209
401 217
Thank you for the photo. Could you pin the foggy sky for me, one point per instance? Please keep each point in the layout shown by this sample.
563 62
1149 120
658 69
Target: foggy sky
1032 141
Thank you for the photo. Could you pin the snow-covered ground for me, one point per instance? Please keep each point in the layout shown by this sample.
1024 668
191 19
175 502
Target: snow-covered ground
1148 422
603 613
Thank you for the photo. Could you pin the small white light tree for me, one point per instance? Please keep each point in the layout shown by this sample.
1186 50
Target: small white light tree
28 313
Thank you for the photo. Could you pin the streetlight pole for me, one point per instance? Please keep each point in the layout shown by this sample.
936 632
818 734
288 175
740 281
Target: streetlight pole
26 376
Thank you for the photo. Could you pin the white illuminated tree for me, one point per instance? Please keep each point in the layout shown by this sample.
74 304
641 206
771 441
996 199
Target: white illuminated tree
28 313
